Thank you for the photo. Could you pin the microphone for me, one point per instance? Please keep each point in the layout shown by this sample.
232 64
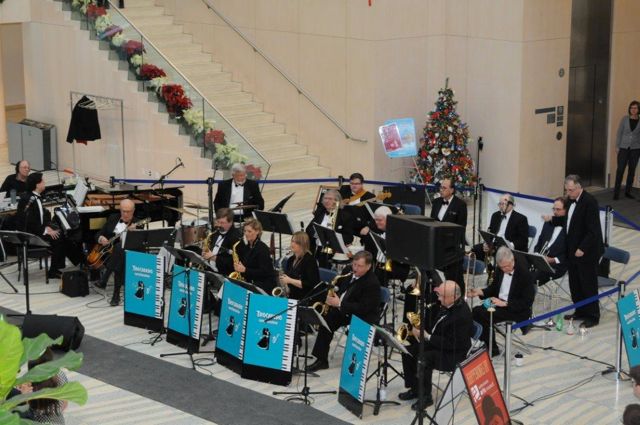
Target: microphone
340 181
302 225
180 163
480 143
31 199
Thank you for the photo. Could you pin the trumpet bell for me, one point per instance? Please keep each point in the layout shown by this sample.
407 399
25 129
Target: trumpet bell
402 334
415 291
278 291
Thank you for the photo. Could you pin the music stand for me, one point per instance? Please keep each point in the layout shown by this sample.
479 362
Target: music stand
387 339
275 222
329 238
25 239
306 316
536 260
144 240
493 240
280 205
406 194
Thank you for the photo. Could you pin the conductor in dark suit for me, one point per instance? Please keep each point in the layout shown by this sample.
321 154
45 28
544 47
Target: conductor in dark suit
451 209
238 191
584 248
553 240
32 217
116 224
357 294
447 341
353 195
509 224
511 292
220 243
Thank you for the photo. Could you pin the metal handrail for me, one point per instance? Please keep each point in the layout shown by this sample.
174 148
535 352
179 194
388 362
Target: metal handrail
193 86
300 90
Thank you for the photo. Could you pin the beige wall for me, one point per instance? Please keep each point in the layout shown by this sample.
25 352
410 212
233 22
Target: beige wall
12 64
624 84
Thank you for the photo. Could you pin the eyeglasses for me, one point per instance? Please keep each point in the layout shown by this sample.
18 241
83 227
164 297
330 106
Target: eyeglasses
556 209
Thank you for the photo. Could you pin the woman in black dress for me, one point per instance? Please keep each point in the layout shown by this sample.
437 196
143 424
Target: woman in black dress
255 263
301 272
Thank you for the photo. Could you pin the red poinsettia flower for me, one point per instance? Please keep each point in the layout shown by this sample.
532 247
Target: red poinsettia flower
423 154
175 98
133 47
214 137
254 171
93 11
149 71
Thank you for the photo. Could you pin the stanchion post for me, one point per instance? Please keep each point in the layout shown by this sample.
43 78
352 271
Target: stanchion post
621 286
507 365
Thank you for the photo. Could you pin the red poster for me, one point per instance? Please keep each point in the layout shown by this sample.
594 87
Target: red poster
390 136
484 391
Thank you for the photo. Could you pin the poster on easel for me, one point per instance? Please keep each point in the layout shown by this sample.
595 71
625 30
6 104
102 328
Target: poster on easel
629 314
484 390
232 325
355 363
398 138
269 340
143 290
185 308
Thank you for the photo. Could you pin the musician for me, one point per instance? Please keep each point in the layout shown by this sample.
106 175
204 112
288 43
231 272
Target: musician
17 181
221 241
238 191
32 217
446 342
329 214
451 209
398 270
301 271
508 224
511 293
553 240
354 194
116 224
255 263
356 294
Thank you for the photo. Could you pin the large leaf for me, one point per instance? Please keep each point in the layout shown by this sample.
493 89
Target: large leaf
34 347
10 355
71 391
70 360
8 418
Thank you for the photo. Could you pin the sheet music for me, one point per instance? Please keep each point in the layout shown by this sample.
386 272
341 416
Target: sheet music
80 192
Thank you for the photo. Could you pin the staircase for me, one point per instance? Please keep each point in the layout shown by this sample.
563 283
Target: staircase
288 159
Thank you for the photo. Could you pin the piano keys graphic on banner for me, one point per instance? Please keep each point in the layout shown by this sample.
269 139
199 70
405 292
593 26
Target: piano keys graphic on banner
353 376
268 351
185 307
143 290
231 326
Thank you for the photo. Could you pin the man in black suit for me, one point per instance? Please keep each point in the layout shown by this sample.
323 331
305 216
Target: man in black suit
553 240
116 224
357 294
353 194
509 224
451 209
32 217
221 242
446 342
238 191
584 249
511 293
329 214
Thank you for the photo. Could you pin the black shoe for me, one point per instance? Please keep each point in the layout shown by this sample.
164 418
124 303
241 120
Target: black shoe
410 394
589 323
572 316
100 284
427 402
629 195
54 274
115 300
616 197
318 365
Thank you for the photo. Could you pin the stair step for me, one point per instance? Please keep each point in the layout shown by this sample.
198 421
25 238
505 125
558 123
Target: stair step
224 87
273 140
309 173
144 22
151 31
199 69
212 78
299 163
180 50
134 13
240 109
231 98
278 191
280 152
264 130
201 58
251 120
130 4
164 41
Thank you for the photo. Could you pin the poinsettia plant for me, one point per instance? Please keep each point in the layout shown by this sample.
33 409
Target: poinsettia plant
132 47
253 172
93 11
175 98
148 71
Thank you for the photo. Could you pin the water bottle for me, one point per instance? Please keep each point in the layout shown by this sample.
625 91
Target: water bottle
570 328
559 323
13 196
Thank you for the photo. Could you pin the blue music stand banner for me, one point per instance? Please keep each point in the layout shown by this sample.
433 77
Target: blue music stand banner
143 284
629 314
269 344
231 326
353 376
185 308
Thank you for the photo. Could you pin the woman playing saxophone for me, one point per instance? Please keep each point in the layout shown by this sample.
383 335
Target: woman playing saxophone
301 270
253 258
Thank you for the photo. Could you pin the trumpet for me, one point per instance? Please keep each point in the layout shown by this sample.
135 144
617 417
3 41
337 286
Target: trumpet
402 334
545 249
323 308
236 259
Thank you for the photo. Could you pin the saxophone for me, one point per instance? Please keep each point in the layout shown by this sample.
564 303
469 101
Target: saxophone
323 308
236 259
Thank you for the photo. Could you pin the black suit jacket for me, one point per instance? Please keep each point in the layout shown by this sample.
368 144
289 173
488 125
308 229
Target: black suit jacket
224 258
362 297
344 225
517 231
584 231
259 266
521 293
557 250
252 196
11 182
451 336
456 213
28 215
360 214
307 271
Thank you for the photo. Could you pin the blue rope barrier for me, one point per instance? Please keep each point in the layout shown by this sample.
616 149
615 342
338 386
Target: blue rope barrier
626 220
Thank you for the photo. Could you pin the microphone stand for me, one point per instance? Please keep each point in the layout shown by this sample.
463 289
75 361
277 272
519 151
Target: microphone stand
475 192
160 181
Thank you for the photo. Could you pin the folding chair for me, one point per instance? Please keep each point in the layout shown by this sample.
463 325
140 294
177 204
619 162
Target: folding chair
532 235
615 255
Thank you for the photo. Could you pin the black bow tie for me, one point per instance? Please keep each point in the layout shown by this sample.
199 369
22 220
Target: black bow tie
510 274
445 202
122 221
239 184
504 216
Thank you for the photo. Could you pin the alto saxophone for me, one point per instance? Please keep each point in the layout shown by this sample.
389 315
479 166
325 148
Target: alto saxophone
236 259
323 308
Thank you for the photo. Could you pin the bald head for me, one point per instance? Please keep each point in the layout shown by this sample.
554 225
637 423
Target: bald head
448 292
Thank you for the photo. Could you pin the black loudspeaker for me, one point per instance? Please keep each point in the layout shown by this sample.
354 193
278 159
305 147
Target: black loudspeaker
423 242
75 284
69 327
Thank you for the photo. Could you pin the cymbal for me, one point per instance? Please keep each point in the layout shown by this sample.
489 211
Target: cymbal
180 210
197 206
243 207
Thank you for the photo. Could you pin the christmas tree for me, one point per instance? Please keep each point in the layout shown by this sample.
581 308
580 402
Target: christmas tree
443 148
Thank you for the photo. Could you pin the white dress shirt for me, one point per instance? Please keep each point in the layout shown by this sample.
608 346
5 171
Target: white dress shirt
505 287
444 208
237 197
